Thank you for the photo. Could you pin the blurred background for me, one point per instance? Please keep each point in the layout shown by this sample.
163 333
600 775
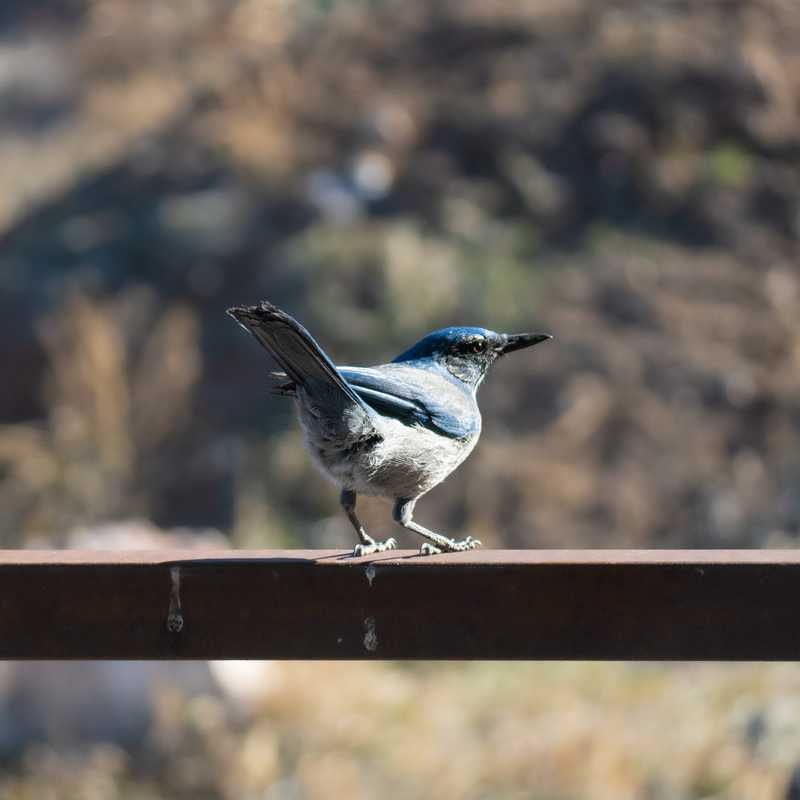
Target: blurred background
625 175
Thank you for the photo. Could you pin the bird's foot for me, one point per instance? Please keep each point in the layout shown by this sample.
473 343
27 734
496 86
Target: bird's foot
449 545
368 548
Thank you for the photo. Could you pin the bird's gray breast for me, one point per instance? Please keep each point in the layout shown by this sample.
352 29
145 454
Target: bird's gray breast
411 460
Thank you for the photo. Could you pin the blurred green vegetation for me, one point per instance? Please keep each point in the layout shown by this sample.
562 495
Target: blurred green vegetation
729 165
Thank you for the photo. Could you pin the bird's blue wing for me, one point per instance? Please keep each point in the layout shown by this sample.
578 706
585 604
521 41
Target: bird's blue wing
419 400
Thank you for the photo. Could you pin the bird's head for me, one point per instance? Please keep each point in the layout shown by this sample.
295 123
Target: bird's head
467 353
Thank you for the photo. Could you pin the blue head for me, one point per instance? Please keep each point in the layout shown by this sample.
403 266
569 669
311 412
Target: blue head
467 353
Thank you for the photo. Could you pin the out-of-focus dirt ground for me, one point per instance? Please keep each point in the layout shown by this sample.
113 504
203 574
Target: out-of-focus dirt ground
624 175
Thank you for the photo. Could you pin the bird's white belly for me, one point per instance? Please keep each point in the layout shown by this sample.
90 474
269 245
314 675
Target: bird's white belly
406 462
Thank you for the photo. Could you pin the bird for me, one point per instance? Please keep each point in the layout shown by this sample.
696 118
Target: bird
394 430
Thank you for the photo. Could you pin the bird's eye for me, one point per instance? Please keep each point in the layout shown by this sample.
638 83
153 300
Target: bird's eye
476 346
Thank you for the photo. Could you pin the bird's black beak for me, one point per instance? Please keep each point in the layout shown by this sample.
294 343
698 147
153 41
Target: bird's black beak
516 341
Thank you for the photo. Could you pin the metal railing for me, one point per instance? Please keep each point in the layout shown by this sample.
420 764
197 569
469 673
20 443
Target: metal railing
485 604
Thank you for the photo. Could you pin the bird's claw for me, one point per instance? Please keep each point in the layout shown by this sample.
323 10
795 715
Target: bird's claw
374 547
451 546
467 544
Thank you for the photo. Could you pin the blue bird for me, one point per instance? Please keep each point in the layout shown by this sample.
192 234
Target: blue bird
394 430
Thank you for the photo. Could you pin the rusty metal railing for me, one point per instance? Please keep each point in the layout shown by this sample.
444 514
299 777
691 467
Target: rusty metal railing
485 604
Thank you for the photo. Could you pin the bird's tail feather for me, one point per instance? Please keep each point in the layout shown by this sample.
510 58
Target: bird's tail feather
282 385
305 363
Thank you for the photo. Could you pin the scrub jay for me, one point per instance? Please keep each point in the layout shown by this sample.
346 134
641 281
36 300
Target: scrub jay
394 430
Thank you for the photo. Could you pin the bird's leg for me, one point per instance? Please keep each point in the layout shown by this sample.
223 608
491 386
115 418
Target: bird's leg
368 544
403 514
